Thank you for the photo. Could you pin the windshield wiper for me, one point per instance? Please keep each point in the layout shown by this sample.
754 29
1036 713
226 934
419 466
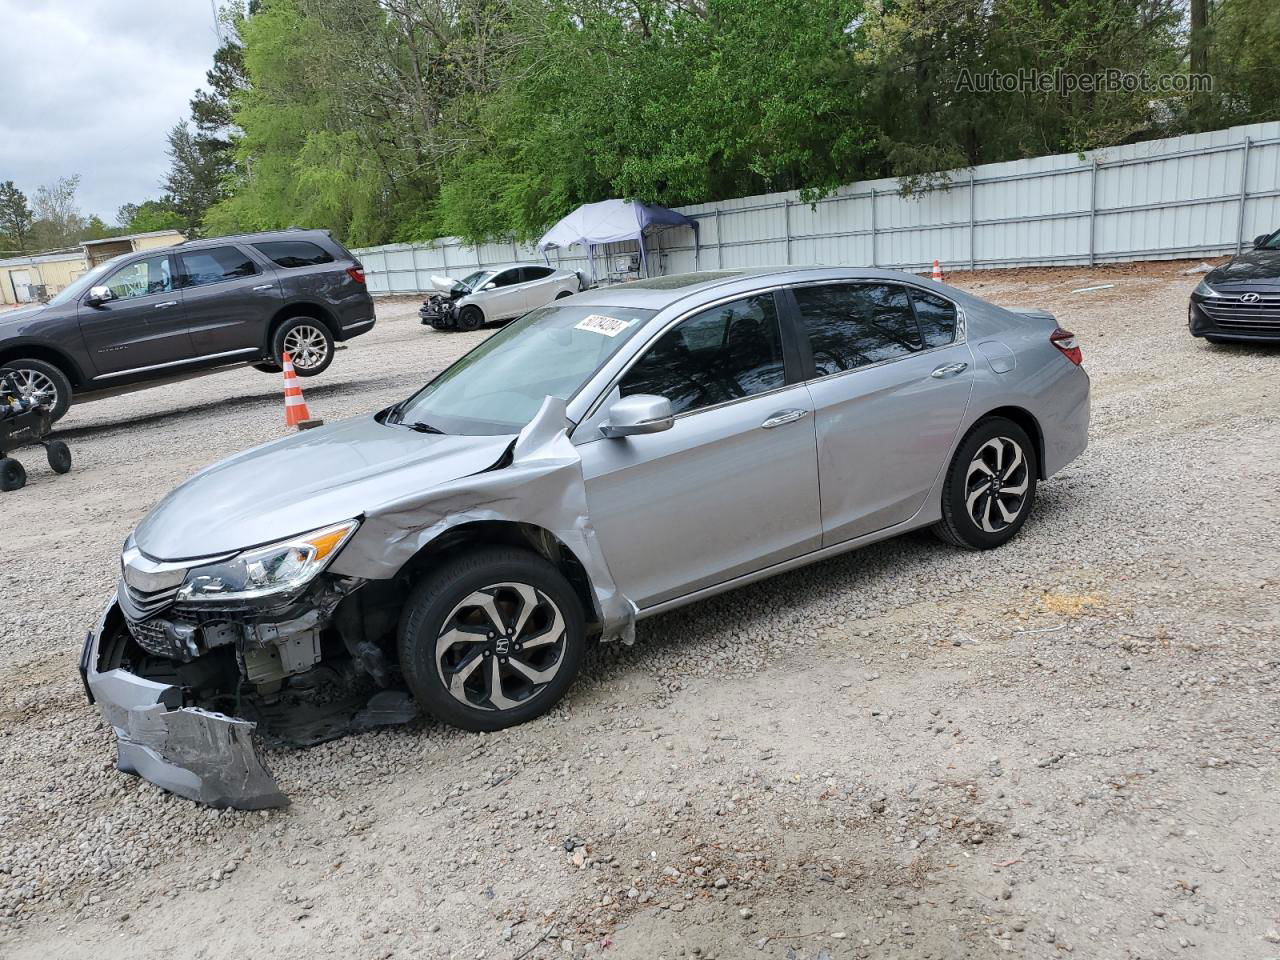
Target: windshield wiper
421 427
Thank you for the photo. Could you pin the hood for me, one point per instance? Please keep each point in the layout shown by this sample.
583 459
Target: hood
1253 266
306 481
441 282
21 314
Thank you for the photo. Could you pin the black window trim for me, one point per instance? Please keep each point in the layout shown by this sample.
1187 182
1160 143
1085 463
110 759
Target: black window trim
961 335
261 270
791 358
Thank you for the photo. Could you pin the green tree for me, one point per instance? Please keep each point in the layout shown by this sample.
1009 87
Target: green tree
58 221
195 179
150 216
15 217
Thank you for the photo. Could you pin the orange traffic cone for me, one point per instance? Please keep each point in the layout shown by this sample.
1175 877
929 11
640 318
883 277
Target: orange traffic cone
296 413
937 272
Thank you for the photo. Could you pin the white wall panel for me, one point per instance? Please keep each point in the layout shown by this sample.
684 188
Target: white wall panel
1179 197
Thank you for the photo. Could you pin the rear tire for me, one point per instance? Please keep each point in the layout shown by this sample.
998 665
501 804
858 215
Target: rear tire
59 456
12 475
564 293
990 486
476 672
470 319
308 341
39 375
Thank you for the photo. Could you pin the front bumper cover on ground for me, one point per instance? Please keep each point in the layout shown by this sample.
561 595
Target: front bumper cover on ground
204 756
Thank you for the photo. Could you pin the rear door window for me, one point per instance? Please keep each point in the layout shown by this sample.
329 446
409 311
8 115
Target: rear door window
851 325
200 267
294 253
722 354
529 274
936 316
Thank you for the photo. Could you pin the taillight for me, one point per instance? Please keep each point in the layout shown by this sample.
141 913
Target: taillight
357 274
1066 341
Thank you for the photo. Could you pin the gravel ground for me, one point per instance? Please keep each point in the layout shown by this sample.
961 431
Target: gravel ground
1067 746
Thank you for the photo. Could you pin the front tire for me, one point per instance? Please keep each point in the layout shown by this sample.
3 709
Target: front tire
38 376
492 639
990 486
470 318
308 342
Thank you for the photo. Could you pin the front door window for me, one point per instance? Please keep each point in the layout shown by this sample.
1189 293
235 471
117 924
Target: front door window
142 278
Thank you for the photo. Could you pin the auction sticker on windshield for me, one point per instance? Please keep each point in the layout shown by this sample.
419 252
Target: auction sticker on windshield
599 323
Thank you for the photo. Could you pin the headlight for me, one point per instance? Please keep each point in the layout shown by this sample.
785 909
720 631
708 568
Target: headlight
1204 290
280 568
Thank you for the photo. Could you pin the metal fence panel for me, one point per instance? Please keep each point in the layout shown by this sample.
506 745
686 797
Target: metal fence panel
1195 195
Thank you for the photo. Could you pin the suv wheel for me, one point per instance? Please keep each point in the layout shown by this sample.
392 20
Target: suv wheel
308 343
990 486
37 376
492 640
470 318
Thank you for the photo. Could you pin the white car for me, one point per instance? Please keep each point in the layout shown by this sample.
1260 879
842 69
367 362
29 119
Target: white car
496 293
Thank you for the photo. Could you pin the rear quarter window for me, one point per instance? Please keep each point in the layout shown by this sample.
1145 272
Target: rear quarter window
294 253
936 316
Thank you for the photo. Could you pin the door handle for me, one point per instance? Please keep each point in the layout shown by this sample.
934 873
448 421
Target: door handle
167 303
949 370
263 286
783 417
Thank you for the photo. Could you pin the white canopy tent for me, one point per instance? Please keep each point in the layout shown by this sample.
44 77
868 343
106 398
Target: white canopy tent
614 221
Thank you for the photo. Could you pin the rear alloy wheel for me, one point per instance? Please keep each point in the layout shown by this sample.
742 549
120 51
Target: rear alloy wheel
493 640
470 319
37 377
990 486
308 343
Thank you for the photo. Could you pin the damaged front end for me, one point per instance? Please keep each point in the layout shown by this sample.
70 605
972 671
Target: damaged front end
185 686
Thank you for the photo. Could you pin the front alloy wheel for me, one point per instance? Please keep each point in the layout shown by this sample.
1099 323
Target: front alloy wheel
501 646
491 638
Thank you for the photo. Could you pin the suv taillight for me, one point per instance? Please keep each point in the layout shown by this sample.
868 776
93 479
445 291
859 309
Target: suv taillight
356 274
1066 341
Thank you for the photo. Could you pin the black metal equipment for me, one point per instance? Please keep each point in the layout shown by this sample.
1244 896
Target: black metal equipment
26 420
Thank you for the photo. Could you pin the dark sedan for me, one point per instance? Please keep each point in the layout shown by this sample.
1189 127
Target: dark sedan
1240 300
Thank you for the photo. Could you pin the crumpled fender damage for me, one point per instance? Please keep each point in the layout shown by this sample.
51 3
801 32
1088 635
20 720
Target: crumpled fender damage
543 485
204 756
210 757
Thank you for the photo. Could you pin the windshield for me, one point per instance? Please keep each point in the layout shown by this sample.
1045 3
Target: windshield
1271 243
472 281
84 281
499 386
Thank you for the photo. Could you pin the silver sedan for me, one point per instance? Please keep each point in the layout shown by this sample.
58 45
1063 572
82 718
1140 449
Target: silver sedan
613 455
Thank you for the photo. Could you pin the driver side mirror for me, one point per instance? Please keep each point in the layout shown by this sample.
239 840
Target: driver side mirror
98 296
1259 241
489 286
637 414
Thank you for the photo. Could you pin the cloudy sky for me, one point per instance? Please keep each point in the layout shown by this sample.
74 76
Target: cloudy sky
92 87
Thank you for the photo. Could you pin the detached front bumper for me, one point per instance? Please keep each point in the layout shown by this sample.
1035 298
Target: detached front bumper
204 756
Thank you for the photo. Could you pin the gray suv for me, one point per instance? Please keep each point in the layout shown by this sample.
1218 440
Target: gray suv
162 315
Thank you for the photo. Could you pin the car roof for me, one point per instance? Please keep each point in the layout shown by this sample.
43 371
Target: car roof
655 293
495 267
292 233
